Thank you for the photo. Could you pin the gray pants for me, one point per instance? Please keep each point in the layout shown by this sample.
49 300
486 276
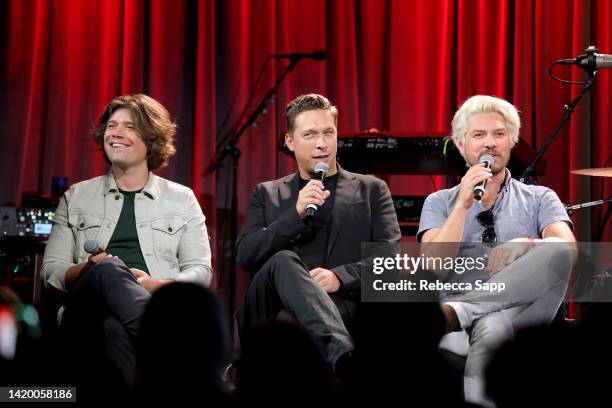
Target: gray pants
535 286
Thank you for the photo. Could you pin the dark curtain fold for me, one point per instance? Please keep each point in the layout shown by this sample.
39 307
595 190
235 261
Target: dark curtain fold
397 65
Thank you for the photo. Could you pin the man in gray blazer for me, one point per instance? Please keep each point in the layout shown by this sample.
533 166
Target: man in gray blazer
309 265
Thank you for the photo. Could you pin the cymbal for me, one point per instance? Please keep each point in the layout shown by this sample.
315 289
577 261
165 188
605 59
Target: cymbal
597 172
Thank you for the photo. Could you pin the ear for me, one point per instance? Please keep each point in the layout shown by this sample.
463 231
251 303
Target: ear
289 142
459 144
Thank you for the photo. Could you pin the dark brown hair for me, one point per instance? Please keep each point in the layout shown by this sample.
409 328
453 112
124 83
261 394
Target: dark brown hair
305 103
151 120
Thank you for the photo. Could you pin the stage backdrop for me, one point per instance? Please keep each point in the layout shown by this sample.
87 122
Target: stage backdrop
397 65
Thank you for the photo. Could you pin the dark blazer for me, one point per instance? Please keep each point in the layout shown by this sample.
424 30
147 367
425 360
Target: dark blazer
363 212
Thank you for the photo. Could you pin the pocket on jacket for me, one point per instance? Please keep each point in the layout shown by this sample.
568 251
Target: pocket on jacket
169 226
84 221
85 226
167 233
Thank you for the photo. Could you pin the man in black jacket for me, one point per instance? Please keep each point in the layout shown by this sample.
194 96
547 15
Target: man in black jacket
310 265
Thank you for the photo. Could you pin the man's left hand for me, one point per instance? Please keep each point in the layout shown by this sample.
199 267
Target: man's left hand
503 255
326 279
145 280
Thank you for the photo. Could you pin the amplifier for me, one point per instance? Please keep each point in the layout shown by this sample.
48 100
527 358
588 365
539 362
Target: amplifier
26 222
391 153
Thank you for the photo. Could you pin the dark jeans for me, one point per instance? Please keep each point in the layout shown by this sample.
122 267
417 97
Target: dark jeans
103 313
284 282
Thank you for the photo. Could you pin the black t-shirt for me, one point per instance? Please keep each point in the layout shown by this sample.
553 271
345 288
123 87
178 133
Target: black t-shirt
312 246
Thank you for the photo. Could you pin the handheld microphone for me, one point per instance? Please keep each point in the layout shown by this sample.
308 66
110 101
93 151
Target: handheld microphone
320 170
590 61
479 188
93 247
318 55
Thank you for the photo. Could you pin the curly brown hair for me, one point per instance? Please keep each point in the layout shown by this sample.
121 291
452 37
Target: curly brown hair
151 120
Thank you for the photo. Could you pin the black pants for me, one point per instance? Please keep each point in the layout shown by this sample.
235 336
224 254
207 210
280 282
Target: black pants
103 312
284 282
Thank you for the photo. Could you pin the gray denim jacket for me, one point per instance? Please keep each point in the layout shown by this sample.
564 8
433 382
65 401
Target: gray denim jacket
169 222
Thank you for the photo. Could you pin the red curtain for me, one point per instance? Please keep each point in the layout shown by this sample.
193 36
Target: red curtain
397 65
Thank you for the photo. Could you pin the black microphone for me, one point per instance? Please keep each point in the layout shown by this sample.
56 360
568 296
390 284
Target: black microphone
479 188
318 55
320 170
93 247
590 61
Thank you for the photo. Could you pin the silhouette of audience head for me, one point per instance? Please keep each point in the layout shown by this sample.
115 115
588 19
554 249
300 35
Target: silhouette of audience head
183 343
397 351
546 365
279 359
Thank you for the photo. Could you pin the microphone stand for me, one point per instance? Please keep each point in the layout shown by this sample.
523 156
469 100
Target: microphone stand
569 109
571 208
231 150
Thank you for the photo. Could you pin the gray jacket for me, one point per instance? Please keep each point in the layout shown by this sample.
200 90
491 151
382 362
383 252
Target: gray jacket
169 221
